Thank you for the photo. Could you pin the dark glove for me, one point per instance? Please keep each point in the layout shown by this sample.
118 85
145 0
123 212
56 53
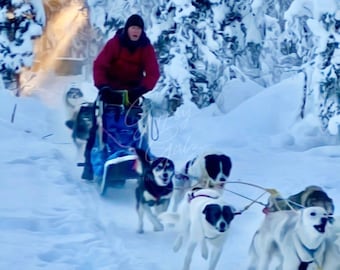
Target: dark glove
109 96
136 93
104 90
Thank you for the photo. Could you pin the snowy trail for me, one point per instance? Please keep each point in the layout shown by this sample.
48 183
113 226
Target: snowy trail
94 233
63 219
60 235
67 224
51 219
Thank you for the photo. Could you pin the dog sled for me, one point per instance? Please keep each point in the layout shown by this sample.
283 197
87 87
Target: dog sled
121 127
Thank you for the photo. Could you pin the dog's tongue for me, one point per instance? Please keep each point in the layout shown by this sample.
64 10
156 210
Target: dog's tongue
266 210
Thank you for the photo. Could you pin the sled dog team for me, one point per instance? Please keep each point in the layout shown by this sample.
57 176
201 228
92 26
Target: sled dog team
302 239
297 233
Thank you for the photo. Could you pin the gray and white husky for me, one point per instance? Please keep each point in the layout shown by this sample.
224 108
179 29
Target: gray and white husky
80 115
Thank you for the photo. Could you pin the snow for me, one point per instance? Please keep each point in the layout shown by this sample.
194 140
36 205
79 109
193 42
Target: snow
50 219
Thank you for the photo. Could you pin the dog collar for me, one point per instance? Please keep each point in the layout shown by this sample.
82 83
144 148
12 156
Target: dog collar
214 237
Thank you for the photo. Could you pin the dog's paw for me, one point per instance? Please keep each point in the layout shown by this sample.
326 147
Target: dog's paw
69 123
158 228
140 231
204 250
169 218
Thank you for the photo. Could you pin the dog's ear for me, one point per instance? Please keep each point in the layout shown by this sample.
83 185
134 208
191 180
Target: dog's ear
227 165
212 212
70 124
228 213
170 165
210 206
212 165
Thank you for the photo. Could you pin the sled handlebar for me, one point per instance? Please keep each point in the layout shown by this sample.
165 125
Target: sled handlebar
115 97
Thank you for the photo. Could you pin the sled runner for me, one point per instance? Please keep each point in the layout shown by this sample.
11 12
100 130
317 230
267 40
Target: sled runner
120 129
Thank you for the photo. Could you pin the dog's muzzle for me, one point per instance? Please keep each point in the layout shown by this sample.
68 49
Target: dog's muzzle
219 182
218 185
223 180
321 228
222 227
165 178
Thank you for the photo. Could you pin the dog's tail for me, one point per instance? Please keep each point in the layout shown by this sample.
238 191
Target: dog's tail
169 218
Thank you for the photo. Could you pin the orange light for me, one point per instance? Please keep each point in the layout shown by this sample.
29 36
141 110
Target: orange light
59 32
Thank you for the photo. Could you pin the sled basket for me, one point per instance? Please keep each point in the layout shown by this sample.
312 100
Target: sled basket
113 157
118 168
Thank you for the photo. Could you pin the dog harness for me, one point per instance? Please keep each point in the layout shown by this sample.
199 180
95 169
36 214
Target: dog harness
192 195
154 194
304 265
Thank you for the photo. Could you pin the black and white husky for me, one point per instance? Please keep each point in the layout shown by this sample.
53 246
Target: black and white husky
203 219
207 170
154 188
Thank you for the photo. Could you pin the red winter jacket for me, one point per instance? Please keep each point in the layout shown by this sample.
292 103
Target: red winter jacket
121 68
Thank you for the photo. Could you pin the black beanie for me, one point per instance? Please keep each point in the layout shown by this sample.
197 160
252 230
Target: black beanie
134 20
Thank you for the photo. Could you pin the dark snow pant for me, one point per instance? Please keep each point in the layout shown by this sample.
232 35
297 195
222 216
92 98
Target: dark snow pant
88 170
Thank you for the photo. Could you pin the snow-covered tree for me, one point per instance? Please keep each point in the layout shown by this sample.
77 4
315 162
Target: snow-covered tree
314 44
327 80
217 41
20 23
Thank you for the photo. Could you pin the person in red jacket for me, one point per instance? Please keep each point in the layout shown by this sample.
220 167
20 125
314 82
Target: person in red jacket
127 62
